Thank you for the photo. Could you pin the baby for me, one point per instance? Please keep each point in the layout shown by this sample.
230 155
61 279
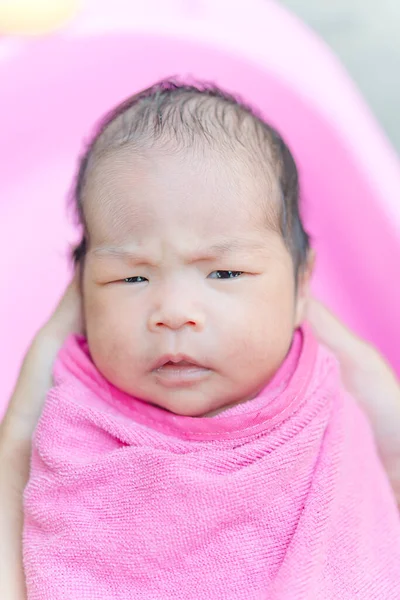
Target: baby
195 261
197 442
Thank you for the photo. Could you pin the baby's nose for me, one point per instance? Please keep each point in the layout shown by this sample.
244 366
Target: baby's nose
176 315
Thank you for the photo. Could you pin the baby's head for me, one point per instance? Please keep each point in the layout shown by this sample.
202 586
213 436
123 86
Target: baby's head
194 260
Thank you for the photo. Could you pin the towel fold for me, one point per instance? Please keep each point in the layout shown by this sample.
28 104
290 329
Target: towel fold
281 498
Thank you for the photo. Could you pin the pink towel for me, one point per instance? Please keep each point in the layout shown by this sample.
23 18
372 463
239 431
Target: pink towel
282 497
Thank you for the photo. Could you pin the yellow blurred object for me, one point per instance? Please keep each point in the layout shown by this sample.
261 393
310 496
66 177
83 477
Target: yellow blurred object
34 17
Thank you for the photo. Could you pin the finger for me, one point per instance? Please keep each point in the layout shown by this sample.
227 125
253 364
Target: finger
331 332
67 316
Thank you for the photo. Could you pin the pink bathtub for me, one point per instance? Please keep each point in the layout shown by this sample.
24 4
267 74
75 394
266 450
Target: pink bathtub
54 89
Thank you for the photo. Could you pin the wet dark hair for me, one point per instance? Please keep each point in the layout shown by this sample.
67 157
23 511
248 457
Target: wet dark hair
182 115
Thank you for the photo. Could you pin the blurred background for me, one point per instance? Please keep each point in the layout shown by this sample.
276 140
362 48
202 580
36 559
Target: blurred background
365 35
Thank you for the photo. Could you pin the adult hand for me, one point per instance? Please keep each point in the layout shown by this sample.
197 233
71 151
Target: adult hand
370 380
16 431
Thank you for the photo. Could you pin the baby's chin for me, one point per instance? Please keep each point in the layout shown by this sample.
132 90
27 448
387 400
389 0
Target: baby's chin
189 404
193 403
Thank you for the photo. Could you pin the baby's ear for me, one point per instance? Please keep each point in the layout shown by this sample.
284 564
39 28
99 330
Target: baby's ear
303 288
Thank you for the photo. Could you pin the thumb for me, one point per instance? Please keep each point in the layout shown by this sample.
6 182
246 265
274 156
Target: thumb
67 316
331 332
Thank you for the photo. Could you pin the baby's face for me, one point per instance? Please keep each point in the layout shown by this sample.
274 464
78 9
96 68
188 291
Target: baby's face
189 294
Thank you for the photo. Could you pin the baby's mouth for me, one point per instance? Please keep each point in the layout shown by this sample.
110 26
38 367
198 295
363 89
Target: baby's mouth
182 364
179 372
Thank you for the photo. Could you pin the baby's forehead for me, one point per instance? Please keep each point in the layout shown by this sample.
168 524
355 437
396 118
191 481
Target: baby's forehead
200 187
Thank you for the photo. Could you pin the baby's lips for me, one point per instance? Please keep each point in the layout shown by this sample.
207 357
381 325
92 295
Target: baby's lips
182 360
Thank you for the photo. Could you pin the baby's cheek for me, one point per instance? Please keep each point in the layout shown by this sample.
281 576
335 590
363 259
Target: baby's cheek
265 335
104 323
103 307
112 351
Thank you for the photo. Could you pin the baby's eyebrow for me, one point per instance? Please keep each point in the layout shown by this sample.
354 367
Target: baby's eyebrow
118 252
230 247
217 250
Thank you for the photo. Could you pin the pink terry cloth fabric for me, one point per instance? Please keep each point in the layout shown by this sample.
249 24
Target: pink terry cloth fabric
280 498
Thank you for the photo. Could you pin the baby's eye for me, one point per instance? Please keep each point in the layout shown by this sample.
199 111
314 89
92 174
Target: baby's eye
225 274
137 279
